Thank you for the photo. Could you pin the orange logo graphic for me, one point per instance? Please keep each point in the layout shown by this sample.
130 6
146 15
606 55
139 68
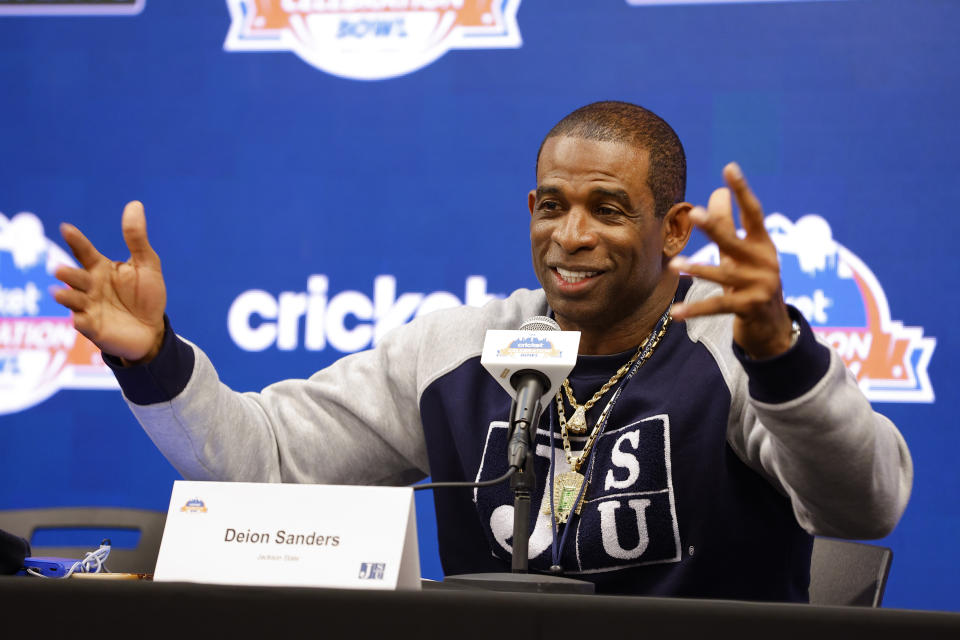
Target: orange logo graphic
371 39
40 351
846 306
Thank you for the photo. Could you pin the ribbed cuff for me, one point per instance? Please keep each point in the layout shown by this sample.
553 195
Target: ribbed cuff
792 373
161 379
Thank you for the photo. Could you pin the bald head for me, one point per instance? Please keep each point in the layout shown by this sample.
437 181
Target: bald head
633 125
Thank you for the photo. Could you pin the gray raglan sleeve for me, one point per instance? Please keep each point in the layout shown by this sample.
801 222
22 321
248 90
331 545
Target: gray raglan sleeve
801 420
355 422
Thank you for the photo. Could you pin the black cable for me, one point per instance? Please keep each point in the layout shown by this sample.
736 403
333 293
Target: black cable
466 485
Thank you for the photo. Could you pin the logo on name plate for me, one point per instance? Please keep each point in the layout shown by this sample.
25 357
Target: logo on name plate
371 39
40 351
194 505
372 570
845 304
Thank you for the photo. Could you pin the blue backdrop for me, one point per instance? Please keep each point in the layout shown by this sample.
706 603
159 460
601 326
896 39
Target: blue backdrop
306 164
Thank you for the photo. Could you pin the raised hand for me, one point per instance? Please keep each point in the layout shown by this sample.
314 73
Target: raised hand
117 305
749 271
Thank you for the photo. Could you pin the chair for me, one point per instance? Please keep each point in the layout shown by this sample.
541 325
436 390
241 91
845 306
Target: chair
848 573
141 559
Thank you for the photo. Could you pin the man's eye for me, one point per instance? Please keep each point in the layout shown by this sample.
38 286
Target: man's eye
608 211
549 205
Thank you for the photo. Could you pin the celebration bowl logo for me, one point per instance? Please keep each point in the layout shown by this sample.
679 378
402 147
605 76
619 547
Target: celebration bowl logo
194 505
530 347
371 39
40 351
845 304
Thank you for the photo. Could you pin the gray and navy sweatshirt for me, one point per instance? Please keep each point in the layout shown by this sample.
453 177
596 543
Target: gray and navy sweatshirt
711 474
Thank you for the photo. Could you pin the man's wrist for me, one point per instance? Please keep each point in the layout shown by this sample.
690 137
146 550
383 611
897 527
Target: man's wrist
790 343
790 374
160 379
152 353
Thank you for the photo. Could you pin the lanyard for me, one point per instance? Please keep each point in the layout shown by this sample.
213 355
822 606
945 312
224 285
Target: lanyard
557 549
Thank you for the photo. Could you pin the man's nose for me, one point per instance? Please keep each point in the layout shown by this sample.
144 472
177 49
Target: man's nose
576 231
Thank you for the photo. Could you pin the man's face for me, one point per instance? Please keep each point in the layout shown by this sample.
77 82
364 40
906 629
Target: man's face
597 245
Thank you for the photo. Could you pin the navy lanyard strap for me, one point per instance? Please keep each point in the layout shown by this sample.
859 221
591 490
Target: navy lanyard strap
555 549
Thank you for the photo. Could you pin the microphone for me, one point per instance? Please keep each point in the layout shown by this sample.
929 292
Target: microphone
530 364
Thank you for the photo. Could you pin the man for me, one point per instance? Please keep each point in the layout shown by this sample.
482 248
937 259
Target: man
711 442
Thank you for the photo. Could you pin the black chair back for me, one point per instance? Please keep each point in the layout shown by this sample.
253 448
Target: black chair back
141 559
848 573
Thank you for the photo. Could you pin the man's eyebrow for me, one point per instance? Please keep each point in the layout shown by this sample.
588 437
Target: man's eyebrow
619 195
548 191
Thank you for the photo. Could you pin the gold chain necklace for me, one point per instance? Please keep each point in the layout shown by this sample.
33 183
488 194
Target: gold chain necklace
578 421
567 486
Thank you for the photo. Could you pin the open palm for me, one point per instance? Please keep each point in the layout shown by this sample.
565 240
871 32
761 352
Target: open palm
117 305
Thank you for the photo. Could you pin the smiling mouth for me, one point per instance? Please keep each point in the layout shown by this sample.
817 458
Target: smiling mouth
573 277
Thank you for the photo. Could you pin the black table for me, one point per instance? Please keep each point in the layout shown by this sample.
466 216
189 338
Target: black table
134 609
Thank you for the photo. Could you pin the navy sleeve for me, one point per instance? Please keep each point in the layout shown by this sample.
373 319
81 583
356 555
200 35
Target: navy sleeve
161 379
790 374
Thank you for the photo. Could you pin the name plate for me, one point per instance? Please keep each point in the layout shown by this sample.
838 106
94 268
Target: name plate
290 535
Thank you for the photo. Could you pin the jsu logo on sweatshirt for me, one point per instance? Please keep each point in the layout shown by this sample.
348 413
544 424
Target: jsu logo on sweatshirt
629 514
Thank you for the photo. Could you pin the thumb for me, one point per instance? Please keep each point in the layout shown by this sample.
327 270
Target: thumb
134 225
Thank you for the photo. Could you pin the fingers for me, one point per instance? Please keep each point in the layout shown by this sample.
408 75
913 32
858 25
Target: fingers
134 224
76 278
751 211
720 210
717 219
737 302
83 323
83 250
71 299
718 226
726 274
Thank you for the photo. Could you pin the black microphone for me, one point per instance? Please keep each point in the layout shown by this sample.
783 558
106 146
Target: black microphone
530 385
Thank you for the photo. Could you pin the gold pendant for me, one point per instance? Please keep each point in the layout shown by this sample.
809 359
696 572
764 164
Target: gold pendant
578 421
566 487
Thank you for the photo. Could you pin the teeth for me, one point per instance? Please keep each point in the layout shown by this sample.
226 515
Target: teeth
575 276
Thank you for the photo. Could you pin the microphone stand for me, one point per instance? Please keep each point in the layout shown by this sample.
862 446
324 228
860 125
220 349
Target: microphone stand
523 483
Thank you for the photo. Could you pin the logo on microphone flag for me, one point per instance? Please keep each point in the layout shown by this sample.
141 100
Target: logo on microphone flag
530 347
40 351
845 305
371 39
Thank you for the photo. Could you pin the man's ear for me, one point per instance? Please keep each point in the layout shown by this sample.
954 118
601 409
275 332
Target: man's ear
676 229
531 200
